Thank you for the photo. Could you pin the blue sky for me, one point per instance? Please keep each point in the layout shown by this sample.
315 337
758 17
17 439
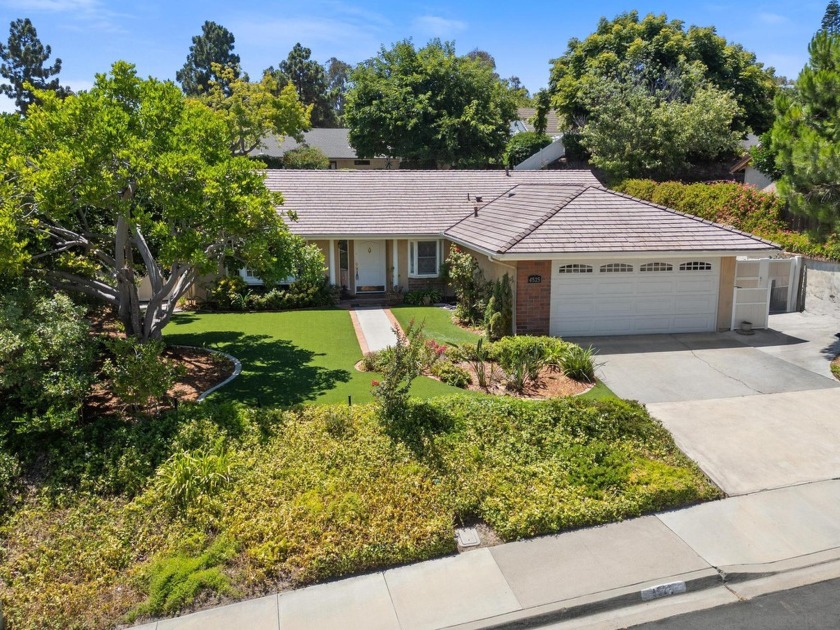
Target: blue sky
89 35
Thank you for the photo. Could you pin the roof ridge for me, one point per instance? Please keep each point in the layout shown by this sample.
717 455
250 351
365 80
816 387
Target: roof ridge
534 225
728 228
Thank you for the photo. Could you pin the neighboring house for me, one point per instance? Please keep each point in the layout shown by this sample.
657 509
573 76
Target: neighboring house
547 155
752 176
334 143
526 116
584 260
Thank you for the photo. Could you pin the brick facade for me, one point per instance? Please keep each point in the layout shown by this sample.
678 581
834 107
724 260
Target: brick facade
533 300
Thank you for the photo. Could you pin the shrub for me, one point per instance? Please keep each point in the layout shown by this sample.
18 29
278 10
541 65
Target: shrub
46 355
138 374
306 157
391 393
463 273
523 145
578 363
451 374
422 297
234 294
189 478
478 356
227 293
9 471
498 317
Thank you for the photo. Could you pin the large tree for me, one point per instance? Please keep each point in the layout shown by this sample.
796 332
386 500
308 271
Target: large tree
806 135
429 106
831 19
651 48
310 80
338 82
254 111
23 58
132 179
214 46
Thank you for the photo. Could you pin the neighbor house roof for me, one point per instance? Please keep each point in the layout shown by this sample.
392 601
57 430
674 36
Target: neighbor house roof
396 202
334 143
537 219
552 127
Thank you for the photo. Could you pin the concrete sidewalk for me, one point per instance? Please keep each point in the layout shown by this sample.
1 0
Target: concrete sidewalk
555 578
375 328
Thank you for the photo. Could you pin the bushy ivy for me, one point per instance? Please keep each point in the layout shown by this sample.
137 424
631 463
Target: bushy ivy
739 206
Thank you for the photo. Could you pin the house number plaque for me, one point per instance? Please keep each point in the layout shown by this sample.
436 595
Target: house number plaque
534 279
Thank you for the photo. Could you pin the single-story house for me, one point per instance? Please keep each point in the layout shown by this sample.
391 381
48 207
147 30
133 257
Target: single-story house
525 117
583 259
752 176
334 143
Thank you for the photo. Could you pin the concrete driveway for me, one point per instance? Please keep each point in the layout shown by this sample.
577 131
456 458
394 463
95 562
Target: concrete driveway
755 412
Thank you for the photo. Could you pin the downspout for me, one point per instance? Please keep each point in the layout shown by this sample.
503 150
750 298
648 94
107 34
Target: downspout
514 283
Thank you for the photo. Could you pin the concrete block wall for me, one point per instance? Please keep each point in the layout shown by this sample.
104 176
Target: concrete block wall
533 301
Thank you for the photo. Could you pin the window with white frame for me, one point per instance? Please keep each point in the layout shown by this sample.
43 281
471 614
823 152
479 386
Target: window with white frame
424 259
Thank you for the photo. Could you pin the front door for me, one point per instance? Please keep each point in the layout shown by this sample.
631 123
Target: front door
370 266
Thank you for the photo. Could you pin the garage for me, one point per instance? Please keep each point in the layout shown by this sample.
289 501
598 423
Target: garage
634 296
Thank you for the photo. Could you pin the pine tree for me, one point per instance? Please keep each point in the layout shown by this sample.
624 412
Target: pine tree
831 19
214 45
310 80
806 135
23 62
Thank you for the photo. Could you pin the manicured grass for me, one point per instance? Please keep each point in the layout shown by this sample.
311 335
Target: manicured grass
437 323
288 358
300 496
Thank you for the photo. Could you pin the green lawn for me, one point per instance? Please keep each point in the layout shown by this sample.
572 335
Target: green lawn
437 323
288 358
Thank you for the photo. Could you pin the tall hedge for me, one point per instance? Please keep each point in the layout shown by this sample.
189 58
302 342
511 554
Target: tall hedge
741 207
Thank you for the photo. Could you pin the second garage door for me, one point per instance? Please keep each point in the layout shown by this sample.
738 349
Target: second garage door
625 297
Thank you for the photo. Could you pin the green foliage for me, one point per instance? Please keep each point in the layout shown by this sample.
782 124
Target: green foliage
763 157
422 297
451 374
193 478
634 130
309 80
463 273
254 111
306 157
543 106
23 58
405 364
214 47
478 357
9 478
523 145
653 47
578 363
429 106
45 359
338 82
173 205
521 357
806 136
831 19
498 317
835 369
742 207
233 294
176 580
138 373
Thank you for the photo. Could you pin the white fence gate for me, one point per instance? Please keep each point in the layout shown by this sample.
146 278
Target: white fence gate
764 286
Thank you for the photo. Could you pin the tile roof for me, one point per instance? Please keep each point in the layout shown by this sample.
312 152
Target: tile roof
552 120
396 202
333 142
563 219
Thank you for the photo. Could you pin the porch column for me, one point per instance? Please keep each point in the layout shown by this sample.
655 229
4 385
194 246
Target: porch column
332 261
395 263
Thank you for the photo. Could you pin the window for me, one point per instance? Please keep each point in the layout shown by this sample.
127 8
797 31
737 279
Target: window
361 162
657 266
575 269
616 268
249 277
696 265
423 259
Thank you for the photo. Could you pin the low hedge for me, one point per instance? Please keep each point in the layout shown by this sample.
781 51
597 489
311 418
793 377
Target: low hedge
306 495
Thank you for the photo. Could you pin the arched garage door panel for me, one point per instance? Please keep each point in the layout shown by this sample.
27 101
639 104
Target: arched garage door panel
593 298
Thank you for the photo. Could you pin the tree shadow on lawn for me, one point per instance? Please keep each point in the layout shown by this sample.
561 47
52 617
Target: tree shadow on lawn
275 372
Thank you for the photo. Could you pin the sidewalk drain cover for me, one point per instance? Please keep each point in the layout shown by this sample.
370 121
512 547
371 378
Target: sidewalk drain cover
467 537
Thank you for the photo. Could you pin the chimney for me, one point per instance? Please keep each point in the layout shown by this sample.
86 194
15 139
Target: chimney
507 172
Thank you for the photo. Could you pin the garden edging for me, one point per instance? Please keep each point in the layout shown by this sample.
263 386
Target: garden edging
237 368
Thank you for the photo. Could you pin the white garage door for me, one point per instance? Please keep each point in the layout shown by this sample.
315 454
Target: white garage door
625 297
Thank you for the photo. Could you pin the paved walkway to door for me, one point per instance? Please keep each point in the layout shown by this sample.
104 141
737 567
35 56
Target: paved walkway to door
374 328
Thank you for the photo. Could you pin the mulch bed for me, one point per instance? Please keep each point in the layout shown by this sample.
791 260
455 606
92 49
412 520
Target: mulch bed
550 384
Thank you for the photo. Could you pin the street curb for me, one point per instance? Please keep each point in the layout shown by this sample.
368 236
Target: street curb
625 597
590 604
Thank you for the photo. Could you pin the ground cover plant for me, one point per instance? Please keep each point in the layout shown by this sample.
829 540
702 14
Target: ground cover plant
288 358
214 501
